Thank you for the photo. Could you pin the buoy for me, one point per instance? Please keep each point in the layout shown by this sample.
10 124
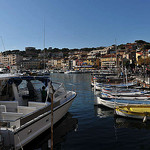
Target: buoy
145 119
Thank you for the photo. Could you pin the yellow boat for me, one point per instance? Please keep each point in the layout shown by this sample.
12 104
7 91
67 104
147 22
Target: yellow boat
140 111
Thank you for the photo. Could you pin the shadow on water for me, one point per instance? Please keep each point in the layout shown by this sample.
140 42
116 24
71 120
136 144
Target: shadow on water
122 122
132 133
61 129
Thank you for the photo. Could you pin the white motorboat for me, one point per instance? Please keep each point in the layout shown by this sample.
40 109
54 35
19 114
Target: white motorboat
124 92
101 86
129 97
112 103
23 115
72 72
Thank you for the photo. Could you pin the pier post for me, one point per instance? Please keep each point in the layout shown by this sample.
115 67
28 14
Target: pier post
52 122
148 80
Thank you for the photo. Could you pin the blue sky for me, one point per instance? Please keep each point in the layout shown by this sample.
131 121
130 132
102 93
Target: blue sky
72 23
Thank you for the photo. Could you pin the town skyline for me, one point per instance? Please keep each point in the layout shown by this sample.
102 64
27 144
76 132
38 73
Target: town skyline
130 55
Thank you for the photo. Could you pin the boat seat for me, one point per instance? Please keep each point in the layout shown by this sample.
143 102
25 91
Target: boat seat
2 108
25 109
10 116
11 106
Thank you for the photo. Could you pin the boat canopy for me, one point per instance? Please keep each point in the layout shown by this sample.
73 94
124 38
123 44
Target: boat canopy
18 80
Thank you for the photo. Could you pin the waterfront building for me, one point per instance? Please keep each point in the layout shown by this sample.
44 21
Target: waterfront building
108 61
11 59
100 52
50 63
77 54
64 63
78 62
142 57
89 62
32 64
58 63
138 56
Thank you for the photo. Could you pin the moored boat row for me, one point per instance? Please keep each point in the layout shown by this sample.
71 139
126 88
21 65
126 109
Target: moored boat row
127 100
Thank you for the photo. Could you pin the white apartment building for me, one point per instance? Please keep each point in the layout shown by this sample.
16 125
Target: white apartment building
11 59
104 51
58 63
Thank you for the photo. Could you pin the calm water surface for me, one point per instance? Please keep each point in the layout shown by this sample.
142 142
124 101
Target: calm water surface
86 127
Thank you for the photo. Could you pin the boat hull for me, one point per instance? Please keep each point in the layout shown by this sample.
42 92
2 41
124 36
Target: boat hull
134 111
111 104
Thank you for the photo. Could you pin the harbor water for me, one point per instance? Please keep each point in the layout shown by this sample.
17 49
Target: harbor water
87 127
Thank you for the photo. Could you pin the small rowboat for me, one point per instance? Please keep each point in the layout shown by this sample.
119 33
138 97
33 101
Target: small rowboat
140 111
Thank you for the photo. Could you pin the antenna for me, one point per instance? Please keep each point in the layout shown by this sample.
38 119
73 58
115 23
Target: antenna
116 52
44 44
3 43
116 55
44 34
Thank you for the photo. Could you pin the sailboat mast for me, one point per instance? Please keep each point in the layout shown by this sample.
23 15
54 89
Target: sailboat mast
44 44
3 43
116 56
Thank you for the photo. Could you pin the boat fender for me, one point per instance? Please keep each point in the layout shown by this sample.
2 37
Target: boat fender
145 119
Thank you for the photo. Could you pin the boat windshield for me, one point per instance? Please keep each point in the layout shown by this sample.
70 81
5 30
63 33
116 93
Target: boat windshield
26 87
31 89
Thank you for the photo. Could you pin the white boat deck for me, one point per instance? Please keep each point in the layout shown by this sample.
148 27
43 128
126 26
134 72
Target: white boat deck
10 111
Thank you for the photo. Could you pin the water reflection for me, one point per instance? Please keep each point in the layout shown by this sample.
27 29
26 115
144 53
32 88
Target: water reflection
103 112
96 93
63 127
121 122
